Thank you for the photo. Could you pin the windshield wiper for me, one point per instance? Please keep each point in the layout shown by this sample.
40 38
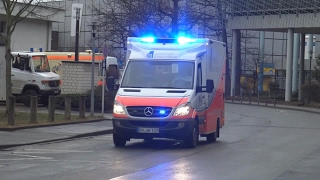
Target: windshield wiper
133 87
167 87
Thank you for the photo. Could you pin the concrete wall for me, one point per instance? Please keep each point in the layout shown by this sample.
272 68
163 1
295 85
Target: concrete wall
31 33
76 77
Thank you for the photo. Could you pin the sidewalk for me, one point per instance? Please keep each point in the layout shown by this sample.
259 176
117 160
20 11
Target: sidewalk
37 135
271 105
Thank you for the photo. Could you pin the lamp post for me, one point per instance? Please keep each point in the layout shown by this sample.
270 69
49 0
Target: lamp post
309 87
76 57
92 75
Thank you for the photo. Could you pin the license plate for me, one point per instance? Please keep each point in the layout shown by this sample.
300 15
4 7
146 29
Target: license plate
56 91
148 130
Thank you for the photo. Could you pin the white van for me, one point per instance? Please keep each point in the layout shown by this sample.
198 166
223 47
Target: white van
31 76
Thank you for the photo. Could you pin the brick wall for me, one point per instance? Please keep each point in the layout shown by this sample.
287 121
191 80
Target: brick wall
76 77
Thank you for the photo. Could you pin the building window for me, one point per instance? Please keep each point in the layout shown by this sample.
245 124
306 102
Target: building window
281 73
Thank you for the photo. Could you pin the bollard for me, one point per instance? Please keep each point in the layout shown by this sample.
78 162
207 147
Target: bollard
233 95
250 95
258 97
51 108
11 111
82 107
67 108
241 95
267 100
33 109
274 100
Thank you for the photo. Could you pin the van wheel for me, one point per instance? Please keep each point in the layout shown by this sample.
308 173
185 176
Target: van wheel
212 137
26 97
118 141
192 140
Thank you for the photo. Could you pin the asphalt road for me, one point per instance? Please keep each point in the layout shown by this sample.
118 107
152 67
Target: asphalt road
257 143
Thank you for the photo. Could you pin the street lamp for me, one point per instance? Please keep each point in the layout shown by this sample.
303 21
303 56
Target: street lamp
309 88
93 26
77 34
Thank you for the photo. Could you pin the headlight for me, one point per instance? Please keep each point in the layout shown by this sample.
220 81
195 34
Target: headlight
45 83
182 110
118 108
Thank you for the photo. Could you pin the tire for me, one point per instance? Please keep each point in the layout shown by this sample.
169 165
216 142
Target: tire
26 97
192 140
118 142
212 137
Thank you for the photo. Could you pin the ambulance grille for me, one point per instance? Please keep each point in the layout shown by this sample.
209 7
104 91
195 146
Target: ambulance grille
149 111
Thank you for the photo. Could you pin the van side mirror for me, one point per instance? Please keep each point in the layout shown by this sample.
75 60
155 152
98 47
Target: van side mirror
209 86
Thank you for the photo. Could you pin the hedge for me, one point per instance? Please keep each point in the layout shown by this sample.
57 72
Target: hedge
108 99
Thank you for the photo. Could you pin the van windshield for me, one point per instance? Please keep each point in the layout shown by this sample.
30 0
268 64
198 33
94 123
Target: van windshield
159 74
41 63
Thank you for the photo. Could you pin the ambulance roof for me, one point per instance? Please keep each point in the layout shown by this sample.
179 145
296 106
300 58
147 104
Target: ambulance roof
167 48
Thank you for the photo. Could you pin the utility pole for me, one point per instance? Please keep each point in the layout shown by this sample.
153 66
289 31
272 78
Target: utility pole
76 57
309 87
92 75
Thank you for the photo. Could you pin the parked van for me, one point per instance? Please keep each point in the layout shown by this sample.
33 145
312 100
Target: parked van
31 76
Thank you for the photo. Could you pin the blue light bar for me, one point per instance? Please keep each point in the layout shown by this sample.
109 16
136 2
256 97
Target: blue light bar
148 39
184 40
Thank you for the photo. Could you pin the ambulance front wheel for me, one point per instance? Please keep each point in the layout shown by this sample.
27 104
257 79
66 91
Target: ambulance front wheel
212 137
118 141
192 140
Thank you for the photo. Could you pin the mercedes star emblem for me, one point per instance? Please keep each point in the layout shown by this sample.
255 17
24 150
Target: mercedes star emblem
148 111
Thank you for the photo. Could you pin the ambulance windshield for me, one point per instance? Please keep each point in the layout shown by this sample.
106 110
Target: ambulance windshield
159 74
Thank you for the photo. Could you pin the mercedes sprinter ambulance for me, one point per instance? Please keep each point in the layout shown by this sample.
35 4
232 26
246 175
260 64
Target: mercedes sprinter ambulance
171 88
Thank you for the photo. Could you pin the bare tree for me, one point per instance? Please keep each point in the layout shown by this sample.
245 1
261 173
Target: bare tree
162 18
16 11
252 64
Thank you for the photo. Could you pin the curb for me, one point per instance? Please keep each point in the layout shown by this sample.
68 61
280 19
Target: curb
10 129
279 107
97 133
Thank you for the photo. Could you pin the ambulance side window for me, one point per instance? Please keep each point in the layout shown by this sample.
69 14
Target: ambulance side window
199 75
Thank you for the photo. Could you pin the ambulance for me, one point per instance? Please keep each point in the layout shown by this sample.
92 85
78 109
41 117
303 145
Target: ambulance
172 89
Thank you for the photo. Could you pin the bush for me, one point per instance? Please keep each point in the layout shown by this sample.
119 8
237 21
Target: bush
314 91
108 99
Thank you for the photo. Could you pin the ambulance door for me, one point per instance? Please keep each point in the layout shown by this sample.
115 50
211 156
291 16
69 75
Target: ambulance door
199 100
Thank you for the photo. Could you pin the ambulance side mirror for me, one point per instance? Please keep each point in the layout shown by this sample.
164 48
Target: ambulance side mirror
209 86
110 83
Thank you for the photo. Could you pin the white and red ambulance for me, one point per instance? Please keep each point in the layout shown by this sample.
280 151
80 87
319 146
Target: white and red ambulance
171 88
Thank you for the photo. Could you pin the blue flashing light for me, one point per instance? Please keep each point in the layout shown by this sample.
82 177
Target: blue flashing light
162 112
148 39
185 40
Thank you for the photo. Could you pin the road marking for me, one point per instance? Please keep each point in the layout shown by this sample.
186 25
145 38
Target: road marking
49 151
24 157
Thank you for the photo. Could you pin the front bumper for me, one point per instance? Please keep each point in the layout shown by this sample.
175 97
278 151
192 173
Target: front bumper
171 129
50 92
